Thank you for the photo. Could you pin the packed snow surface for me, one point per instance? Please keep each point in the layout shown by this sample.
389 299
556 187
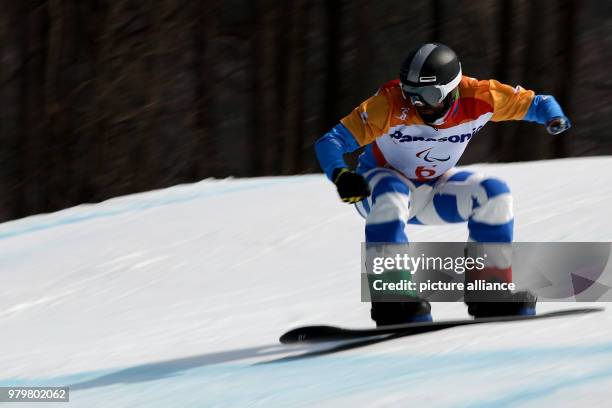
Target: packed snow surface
177 297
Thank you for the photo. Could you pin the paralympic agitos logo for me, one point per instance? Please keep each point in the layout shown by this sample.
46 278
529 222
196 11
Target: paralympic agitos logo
462 138
431 159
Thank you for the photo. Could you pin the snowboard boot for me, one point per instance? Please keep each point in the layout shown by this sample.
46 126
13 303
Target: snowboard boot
399 307
501 303
388 313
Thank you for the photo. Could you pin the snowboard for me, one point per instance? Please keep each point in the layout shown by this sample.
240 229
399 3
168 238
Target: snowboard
319 334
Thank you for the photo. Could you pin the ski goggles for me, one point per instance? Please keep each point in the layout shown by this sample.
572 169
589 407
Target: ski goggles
432 95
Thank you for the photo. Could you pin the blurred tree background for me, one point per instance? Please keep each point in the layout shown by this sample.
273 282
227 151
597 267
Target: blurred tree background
101 98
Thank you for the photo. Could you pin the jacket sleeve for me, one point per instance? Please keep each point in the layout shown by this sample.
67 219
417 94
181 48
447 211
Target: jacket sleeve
543 108
359 128
332 146
509 103
517 103
369 120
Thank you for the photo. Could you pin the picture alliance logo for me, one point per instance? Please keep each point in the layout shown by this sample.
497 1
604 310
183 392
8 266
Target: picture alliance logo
405 138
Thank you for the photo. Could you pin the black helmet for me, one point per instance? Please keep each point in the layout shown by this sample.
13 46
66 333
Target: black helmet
429 77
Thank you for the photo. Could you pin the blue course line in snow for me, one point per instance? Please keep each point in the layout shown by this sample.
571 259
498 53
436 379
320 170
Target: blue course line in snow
146 204
533 393
58 381
338 376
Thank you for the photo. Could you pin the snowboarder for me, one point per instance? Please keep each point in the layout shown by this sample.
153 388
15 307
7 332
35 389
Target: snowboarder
414 130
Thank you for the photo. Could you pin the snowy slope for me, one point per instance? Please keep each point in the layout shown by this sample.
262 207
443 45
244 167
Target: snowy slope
170 298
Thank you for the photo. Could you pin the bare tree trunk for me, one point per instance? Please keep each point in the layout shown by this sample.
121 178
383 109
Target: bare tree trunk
438 19
58 136
330 111
32 157
293 156
568 50
12 54
523 146
205 160
267 107
500 151
146 154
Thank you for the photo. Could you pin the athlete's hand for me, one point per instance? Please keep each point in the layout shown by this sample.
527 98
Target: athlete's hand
558 125
351 186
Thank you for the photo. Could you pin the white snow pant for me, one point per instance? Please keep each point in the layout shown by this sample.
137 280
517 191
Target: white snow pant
485 203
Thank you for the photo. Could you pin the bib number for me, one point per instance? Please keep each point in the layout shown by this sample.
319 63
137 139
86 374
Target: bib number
424 173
